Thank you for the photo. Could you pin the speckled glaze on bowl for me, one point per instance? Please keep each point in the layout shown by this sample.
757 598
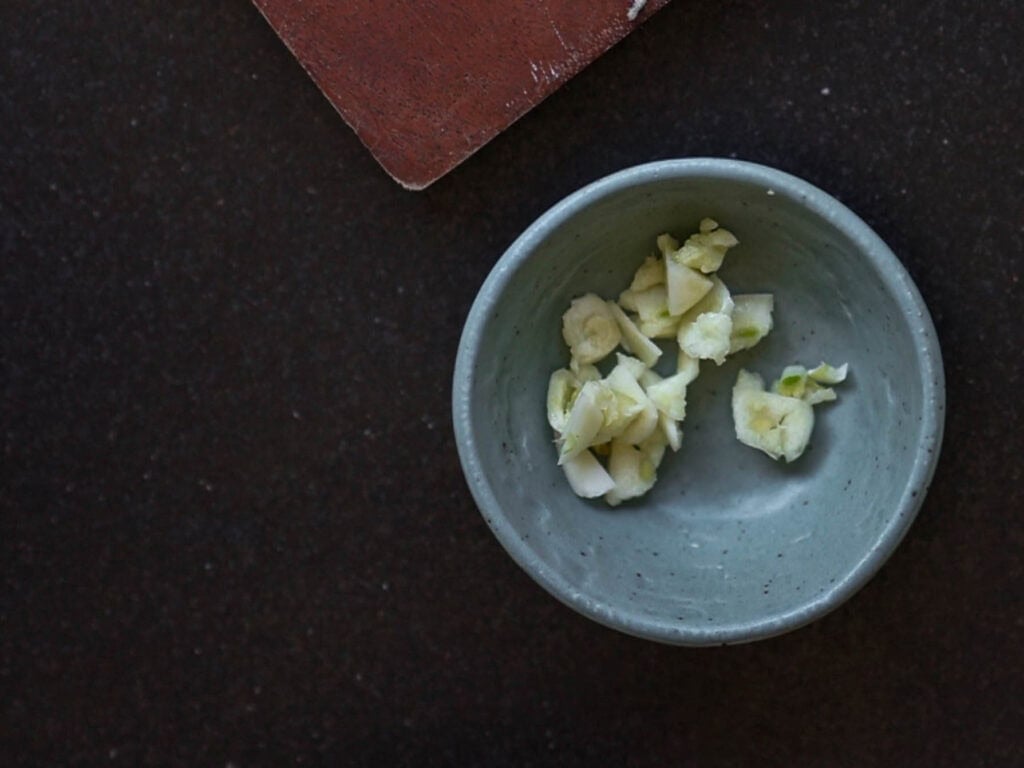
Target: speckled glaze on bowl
729 546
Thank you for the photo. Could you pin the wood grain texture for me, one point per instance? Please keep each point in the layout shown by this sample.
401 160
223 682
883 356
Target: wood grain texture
425 84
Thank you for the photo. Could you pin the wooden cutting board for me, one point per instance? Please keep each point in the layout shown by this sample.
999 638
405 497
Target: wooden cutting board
424 84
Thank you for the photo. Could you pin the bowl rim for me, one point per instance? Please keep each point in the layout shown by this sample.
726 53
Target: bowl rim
892 273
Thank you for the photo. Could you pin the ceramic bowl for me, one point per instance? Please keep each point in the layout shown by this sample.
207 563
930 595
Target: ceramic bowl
729 546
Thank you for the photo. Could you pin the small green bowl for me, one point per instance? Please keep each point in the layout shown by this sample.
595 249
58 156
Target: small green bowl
729 546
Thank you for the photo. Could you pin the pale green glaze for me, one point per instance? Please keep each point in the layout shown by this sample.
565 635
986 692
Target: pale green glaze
730 546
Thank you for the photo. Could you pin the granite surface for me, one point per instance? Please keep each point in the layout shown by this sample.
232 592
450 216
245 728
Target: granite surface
233 527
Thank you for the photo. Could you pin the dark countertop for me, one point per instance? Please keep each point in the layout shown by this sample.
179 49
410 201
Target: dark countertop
233 527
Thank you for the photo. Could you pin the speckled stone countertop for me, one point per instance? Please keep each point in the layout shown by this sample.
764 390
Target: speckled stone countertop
233 526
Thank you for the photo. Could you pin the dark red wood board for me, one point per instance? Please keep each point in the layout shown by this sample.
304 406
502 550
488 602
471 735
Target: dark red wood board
424 84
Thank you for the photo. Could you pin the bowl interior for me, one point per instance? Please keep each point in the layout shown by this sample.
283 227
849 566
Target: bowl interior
729 545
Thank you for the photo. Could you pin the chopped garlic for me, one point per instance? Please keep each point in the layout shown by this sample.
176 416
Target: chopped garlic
686 366
633 472
587 477
650 273
797 381
707 337
826 374
636 367
642 425
669 396
634 342
589 329
685 287
705 250
612 432
779 422
779 426
751 320
563 387
584 421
